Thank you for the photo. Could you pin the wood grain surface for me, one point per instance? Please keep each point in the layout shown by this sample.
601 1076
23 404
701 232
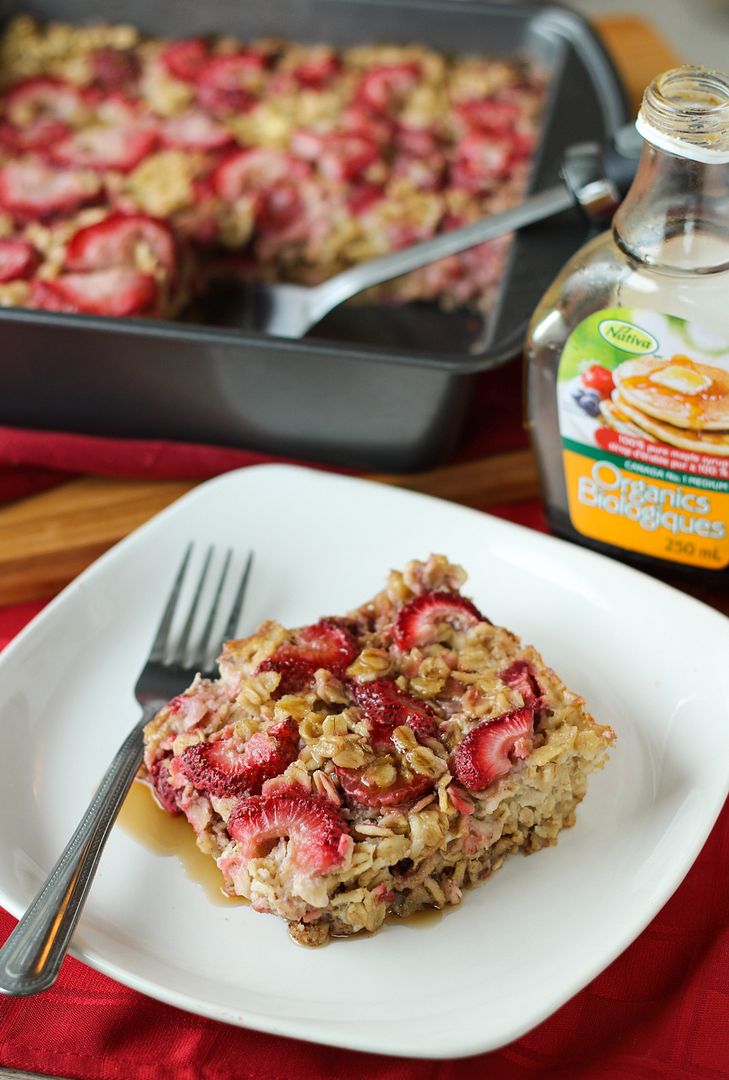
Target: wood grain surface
47 539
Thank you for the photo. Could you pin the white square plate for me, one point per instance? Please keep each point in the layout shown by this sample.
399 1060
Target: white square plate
649 660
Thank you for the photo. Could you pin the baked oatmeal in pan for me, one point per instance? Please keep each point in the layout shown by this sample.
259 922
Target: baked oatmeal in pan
135 170
376 763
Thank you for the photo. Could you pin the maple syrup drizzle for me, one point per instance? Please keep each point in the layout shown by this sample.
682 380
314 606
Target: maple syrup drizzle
148 824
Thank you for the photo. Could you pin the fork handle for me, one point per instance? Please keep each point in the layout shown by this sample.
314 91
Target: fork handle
31 958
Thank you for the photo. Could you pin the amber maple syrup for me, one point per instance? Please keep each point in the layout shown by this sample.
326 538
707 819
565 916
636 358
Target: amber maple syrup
149 825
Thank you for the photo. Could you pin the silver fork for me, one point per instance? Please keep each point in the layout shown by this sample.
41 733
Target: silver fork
31 958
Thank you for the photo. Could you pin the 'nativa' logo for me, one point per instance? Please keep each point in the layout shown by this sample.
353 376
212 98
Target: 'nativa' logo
626 336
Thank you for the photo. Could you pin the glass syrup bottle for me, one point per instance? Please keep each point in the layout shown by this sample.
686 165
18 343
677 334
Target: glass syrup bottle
628 351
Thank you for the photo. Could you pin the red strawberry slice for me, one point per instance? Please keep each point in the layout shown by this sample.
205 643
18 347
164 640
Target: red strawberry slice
319 839
489 750
279 207
326 644
380 88
358 120
232 766
114 241
386 707
18 259
185 59
362 197
43 98
489 115
36 136
520 676
30 189
248 171
418 621
194 130
119 148
338 155
362 792
112 68
480 160
159 776
228 84
319 70
118 291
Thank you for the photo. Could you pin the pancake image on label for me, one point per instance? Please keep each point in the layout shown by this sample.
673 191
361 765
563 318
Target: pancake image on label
706 442
677 391
618 421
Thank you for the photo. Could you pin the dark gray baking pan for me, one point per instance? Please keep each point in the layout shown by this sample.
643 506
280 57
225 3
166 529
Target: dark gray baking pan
370 387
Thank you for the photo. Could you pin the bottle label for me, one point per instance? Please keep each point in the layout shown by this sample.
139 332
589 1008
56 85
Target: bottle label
643 402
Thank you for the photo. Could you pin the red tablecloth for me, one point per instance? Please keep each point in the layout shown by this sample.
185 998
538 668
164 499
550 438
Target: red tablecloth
660 1010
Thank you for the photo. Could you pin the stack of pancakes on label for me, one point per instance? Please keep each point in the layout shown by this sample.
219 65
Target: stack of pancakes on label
676 401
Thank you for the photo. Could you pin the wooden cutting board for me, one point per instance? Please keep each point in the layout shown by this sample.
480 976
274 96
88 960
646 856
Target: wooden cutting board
46 540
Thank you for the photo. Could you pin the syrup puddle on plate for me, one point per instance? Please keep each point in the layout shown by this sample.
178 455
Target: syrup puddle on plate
141 818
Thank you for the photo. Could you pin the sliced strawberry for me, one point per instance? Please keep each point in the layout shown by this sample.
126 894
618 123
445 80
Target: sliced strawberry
480 159
319 839
232 766
360 121
319 70
381 88
112 68
279 207
326 644
119 148
520 676
488 751
386 707
418 621
195 130
247 171
360 791
228 84
339 155
118 291
363 196
489 115
38 135
18 259
159 776
114 242
185 59
424 173
416 142
43 98
31 189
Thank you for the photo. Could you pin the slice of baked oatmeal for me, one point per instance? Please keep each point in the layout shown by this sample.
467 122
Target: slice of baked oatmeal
376 763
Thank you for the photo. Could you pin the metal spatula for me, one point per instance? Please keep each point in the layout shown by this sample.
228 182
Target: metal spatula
591 178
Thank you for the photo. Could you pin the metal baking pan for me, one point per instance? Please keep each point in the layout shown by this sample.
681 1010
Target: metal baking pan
373 388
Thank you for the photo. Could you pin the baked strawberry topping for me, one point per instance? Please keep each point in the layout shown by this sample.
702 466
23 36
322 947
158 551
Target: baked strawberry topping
339 155
194 130
419 621
319 839
250 171
360 791
489 115
113 68
120 147
230 765
29 188
318 71
118 291
386 707
185 59
41 99
520 676
228 84
115 242
384 87
159 774
327 644
488 751
18 259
